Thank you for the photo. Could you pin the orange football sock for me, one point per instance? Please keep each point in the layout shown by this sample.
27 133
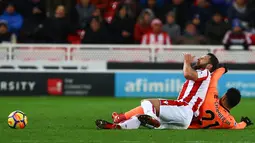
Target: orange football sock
133 112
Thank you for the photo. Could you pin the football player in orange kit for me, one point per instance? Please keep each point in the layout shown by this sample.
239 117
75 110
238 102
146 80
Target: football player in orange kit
215 112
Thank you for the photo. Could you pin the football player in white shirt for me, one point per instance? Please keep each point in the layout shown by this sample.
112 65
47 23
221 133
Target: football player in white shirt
171 114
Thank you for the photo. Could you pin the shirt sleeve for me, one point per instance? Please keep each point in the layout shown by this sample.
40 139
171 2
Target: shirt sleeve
232 124
212 90
239 126
215 77
202 75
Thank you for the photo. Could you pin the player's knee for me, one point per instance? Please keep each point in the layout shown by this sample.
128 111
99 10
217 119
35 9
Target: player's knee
154 102
144 100
150 100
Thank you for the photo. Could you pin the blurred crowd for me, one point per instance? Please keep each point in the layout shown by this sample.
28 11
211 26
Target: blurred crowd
187 22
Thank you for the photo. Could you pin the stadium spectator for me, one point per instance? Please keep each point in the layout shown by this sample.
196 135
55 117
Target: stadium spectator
3 4
96 33
83 13
13 18
5 36
57 28
251 31
239 9
181 9
222 5
171 27
159 3
190 36
156 36
151 4
197 22
236 36
216 29
122 26
133 7
31 31
28 8
101 4
200 14
143 24
98 13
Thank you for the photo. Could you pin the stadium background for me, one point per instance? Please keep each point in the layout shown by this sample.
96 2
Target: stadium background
63 72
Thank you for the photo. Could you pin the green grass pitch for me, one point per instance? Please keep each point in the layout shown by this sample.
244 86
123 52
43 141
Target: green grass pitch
71 120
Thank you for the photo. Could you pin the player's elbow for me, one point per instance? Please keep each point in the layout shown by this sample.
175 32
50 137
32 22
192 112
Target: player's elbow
186 75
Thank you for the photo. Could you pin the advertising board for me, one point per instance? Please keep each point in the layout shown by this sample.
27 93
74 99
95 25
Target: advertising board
74 84
158 84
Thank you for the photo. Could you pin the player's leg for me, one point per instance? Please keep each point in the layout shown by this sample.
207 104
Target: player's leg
117 118
133 123
176 114
148 109
102 124
172 114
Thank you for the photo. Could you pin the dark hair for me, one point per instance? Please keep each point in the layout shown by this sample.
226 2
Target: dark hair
3 23
97 18
190 23
214 61
217 14
233 97
11 4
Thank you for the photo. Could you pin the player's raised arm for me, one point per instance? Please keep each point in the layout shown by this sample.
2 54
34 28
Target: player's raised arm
216 76
188 72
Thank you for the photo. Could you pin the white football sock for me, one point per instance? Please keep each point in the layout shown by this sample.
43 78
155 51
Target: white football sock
132 123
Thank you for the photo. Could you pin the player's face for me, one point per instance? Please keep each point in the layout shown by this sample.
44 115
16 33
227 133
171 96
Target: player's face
223 100
202 62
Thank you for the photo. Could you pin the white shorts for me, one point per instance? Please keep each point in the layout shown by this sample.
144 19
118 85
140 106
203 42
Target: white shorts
174 115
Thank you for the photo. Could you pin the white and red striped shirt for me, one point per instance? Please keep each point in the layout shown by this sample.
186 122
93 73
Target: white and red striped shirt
193 93
157 39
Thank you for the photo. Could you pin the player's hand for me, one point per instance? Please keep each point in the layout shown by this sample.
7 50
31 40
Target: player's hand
188 58
223 66
246 120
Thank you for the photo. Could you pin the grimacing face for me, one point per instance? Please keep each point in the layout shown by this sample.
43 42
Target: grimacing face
202 62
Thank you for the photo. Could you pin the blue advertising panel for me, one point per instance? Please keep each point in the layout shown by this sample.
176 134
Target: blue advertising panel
245 82
156 84
148 84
